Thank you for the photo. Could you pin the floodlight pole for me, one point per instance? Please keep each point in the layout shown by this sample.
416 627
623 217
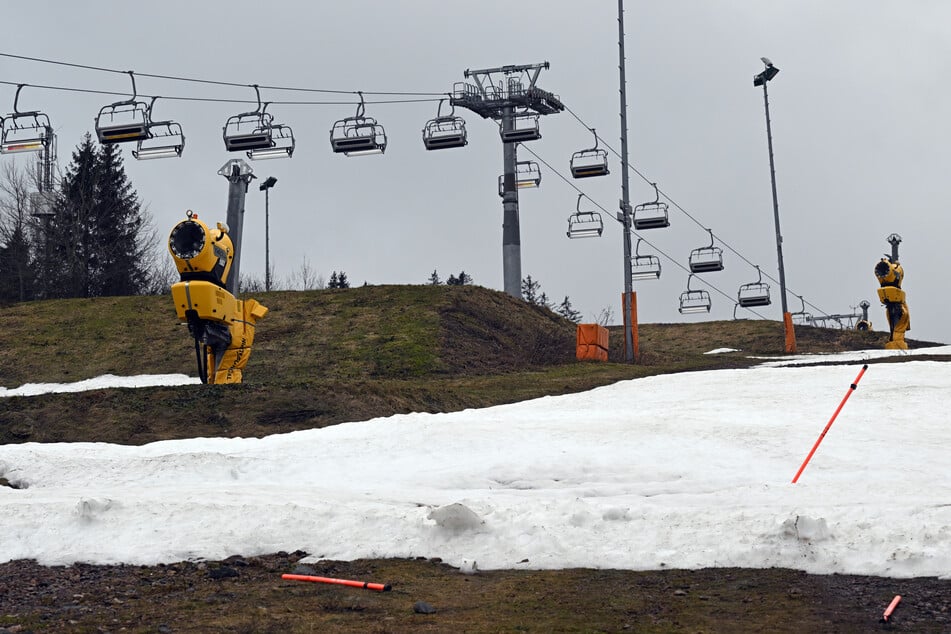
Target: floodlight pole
761 80
514 94
625 214
239 175
266 186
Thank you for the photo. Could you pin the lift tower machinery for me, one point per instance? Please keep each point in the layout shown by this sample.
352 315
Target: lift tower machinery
510 96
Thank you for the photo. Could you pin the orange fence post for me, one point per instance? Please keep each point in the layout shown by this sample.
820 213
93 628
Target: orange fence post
379 587
891 608
831 420
790 333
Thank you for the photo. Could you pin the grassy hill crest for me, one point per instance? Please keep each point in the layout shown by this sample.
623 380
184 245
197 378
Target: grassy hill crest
329 356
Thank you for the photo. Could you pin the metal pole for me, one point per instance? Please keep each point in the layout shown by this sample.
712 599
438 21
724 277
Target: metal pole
239 175
772 176
511 241
625 215
267 241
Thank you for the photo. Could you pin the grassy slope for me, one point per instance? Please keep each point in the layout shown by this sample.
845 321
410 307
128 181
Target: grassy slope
324 357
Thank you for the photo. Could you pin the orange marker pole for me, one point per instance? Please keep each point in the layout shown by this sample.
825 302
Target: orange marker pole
891 608
379 587
831 420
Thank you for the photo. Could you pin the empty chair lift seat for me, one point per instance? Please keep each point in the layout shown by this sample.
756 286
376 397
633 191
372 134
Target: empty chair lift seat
592 343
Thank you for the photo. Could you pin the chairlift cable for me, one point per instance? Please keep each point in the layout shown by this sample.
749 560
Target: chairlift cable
648 242
684 211
220 83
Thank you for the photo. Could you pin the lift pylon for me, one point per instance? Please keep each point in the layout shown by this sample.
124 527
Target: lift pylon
510 96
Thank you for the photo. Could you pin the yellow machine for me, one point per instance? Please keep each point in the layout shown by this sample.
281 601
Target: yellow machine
222 326
890 275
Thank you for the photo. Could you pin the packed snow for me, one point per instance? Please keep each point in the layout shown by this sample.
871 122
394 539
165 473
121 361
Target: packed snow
688 470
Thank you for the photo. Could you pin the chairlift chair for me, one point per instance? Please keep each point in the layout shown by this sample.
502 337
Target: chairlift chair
524 128
584 224
801 317
651 215
754 294
282 144
527 175
445 132
590 162
123 121
249 131
358 135
694 301
706 259
24 131
165 140
644 267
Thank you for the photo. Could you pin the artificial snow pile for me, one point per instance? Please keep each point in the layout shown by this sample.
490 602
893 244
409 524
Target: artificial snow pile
688 470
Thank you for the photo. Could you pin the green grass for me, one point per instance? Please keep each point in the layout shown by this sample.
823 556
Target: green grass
324 357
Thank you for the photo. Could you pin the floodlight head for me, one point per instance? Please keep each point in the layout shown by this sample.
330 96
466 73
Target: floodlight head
763 77
269 182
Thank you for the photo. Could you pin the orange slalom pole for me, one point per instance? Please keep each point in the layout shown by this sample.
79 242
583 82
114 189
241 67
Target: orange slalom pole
379 587
831 420
891 608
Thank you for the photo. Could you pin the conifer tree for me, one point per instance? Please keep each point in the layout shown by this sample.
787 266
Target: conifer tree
97 242
566 310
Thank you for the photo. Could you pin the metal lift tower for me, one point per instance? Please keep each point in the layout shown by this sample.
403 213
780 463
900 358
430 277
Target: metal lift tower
509 95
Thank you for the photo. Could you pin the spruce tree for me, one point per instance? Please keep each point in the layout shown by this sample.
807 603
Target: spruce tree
434 279
566 310
98 241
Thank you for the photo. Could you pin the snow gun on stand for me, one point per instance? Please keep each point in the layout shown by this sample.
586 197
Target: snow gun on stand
222 326
890 275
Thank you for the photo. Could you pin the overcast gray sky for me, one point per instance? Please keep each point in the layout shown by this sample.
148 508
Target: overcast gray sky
859 114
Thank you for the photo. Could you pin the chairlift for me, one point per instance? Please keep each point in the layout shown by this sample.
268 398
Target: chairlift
651 215
801 317
358 135
165 140
644 267
256 134
282 144
524 128
584 224
590 162
754 294
123 121
445 132
692 301
25 131
527 175
706 259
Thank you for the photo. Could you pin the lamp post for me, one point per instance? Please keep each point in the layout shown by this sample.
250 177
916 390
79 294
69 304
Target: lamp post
265 187
762 79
